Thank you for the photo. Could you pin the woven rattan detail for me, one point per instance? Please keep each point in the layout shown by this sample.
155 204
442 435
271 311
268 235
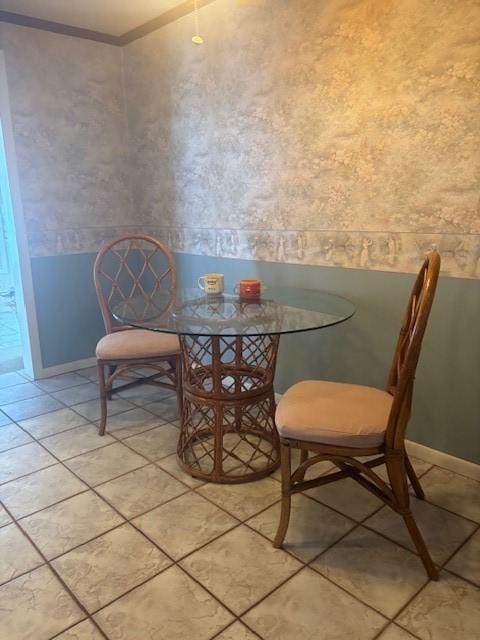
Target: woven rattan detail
228 432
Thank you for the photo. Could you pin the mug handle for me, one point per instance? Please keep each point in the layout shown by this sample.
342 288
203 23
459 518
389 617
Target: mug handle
200 281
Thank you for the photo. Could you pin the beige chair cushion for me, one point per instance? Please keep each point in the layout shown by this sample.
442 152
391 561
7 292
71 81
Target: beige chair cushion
137 343
334 413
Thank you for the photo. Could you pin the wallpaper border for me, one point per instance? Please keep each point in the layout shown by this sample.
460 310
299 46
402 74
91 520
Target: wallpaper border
378 251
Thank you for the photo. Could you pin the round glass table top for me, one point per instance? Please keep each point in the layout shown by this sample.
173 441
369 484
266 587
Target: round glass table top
191 312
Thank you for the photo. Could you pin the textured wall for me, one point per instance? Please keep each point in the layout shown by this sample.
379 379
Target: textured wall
333 132
66 100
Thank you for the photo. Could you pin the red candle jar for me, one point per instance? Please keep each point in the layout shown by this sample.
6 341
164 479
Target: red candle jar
249 289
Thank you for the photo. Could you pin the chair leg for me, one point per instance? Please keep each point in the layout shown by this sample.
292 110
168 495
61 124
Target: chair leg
415 482
111 370
396 463
420 545
303 458
285 458
179 382
103 398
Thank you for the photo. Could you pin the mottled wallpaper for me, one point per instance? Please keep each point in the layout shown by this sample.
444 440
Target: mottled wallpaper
326 132
67 106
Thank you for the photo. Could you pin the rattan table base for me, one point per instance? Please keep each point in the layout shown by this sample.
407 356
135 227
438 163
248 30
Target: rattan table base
228 432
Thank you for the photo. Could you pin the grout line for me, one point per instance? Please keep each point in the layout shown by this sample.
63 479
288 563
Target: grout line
47 563
240 522
90 619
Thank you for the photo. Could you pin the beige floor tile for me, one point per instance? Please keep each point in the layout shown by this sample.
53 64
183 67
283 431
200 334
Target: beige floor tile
375 570
445 610
4 517
39 490
67 524
105 464
170 464
57 383
132 422
312 472
467 561
76 441
420 466
237 631
394 632
17 554
309 606
184 524
86 630
29 408
12 436
78 394
443 532
18 392
91 373
105 568
165 408
140 490
171 605
243 500
313 527
348 497
22 460
145 393
92 412
454 492
156 443
240 568
35 606
50 423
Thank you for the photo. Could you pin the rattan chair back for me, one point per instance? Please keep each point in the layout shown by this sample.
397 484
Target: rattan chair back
135 276
407 352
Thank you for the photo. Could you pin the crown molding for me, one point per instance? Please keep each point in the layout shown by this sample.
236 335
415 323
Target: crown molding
58 27
162 20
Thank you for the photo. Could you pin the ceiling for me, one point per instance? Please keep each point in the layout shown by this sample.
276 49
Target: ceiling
113 17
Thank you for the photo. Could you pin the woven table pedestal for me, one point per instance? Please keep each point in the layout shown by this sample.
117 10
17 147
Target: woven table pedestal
228 433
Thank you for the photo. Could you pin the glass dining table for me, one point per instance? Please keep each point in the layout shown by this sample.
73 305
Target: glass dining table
229 351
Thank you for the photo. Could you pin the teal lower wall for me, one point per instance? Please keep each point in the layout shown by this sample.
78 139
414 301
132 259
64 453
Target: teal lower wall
68 315
446 413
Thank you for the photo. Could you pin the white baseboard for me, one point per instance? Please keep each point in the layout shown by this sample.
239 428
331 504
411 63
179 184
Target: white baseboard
439 458
444 460
67 367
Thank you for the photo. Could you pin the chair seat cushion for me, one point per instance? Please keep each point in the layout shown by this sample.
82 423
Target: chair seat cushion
137 343
334 413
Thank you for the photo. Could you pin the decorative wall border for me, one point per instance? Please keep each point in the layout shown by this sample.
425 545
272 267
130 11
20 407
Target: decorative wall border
382 251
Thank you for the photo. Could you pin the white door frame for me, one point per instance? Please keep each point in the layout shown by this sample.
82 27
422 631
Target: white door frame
21 268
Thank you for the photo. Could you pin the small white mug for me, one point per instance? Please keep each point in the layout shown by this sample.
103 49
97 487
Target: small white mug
211 283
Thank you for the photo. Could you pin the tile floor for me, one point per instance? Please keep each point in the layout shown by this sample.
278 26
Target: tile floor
107 538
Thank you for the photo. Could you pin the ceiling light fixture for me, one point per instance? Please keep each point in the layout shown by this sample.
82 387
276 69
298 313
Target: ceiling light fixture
197 38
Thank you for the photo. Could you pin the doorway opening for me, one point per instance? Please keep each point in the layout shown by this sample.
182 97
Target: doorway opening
11 351
19 344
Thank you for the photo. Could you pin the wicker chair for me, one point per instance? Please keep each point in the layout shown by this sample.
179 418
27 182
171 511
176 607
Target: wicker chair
128 272
344 422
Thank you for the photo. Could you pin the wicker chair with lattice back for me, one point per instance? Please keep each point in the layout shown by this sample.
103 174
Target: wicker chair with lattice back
136 276
344 422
